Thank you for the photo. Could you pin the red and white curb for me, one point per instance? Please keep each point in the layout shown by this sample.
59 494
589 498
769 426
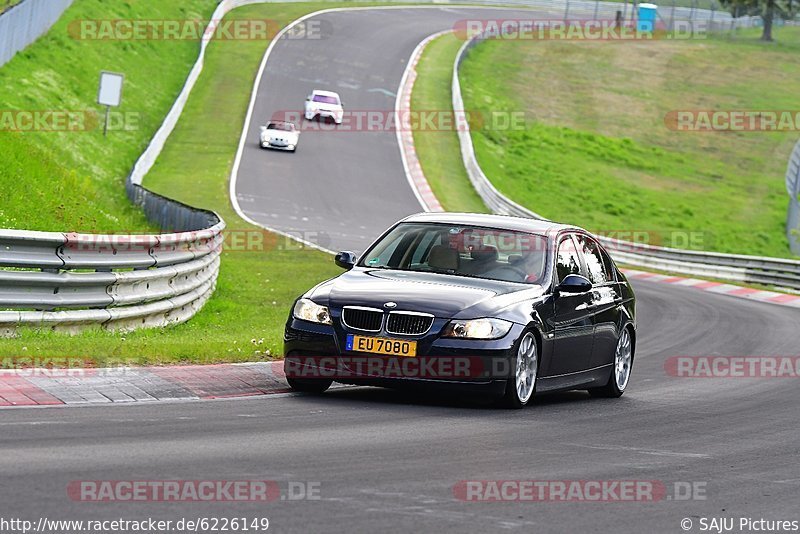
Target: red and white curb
720 288
48 387
405 137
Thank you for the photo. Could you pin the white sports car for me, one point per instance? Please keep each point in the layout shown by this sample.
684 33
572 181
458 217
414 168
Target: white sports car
324 104
279 135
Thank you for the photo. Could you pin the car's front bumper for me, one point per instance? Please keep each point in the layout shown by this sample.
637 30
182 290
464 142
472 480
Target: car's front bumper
267 144
315 351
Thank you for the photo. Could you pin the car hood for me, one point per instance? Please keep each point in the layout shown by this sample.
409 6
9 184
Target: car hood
442 295
279 134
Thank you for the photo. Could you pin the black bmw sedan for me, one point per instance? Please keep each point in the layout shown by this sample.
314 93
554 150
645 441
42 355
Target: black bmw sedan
489 304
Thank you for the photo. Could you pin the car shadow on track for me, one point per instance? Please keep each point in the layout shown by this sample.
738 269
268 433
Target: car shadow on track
415 397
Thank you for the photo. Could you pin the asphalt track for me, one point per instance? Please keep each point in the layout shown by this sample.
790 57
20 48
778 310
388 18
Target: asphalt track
343 185
388 461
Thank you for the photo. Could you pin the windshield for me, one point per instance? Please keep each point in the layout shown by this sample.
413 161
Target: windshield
325 99
283 126
462 251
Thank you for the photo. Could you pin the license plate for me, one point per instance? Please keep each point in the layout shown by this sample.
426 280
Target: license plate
381 345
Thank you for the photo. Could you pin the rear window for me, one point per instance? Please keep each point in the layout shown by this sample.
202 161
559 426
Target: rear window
325 99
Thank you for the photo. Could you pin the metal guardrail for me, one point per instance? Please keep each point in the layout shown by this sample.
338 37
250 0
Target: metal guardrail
782 273
67 281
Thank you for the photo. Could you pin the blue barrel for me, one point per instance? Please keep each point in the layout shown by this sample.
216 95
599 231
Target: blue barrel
647 17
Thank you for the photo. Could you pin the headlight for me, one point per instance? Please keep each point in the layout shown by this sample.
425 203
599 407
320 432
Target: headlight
308 310
477 329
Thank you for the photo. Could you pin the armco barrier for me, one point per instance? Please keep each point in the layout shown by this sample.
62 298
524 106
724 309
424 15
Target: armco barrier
70 281
781 273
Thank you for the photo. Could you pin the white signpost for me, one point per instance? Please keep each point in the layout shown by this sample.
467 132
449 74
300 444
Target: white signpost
110 92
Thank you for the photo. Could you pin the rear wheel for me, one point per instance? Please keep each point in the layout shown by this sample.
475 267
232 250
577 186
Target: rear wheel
621 372
521 386
309 385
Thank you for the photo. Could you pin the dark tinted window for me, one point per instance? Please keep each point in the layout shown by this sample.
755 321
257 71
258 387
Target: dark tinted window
567 261
597 267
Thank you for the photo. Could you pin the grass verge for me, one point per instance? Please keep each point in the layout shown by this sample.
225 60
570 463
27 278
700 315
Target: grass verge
596 152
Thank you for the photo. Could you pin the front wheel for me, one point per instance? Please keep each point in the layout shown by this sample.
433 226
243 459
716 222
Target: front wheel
621 373
310 385
522 385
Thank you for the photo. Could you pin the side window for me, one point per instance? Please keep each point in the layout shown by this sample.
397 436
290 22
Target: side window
608 263
567 261
597 267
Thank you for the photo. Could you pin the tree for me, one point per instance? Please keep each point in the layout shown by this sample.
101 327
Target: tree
766 9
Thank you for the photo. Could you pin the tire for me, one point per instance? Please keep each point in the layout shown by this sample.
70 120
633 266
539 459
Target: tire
621 371
521 387
309 386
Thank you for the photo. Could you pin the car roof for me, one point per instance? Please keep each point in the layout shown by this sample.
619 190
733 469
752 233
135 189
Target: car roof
502 222
324 93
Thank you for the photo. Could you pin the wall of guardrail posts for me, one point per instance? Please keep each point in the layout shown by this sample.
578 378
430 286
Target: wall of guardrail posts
793 188
22 24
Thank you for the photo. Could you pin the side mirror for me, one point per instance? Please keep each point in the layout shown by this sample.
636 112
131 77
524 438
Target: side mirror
574 284
308 98
345 260
263 129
